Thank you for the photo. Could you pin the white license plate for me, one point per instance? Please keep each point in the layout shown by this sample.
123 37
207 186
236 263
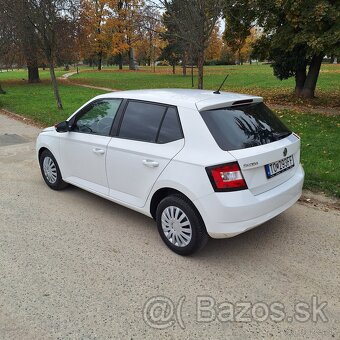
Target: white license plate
276 168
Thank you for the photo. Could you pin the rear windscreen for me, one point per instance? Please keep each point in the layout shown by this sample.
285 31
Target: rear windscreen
244 126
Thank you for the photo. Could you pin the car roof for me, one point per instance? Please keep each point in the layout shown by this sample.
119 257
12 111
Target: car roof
190 98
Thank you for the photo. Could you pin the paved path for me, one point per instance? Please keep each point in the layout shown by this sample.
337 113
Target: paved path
75 266
65 77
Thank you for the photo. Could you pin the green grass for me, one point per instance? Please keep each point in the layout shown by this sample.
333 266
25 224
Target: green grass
320 149
243 76
253 79
36 101
21 75
259 76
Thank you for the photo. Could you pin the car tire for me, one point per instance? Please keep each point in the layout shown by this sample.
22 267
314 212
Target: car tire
50 171
180 225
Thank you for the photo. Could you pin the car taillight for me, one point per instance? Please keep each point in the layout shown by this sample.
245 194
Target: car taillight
226 177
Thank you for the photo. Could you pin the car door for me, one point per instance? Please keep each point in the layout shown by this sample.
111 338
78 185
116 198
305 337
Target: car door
83 149
149 136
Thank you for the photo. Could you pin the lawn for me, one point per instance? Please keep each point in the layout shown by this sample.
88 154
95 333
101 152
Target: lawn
320 152
36 101
319 133
252 79
21 75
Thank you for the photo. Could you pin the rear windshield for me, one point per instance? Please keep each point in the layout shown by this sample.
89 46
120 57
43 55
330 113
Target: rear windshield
244 126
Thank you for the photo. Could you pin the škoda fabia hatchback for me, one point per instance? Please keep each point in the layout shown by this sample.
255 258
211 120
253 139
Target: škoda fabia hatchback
199 163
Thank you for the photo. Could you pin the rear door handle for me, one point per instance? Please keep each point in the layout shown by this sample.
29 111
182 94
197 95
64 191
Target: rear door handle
98 151
150 163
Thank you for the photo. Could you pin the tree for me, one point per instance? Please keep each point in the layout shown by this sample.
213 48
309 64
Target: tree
172 54
125 25
227 56
239 19
31 51
49 17
296 37
194 21
246 51
150 34
213 51
176 49
119 44
24 37
96 35
28 40
5 38
68 48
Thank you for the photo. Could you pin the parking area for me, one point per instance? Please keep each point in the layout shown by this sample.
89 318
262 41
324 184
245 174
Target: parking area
76 266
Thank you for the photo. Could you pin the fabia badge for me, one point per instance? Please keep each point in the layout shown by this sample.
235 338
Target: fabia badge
285 152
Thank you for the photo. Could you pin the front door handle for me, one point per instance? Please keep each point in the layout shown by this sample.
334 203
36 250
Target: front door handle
150 163
98 151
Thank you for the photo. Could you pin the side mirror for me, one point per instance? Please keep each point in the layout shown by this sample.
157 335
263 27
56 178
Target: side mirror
62 127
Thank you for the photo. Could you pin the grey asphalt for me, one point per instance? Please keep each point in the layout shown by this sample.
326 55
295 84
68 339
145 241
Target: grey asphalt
75 266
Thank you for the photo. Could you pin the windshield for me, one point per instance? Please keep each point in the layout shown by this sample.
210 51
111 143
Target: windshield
244 126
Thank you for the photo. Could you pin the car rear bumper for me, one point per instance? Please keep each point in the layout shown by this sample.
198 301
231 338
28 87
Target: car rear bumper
231 213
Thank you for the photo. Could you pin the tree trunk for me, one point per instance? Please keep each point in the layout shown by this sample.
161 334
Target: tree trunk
300 78
200 63
312 77
173 68
30 50
120 61
1 90
184 64
132 62
33 74
55 86
100 57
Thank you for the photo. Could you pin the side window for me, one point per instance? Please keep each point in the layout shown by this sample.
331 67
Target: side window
141 121
98 118
171 128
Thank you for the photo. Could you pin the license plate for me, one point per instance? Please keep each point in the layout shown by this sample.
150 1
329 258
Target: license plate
276 168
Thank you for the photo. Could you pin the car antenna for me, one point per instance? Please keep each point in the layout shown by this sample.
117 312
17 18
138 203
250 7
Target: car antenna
218 91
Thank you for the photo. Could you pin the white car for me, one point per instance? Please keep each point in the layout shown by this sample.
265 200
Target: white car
200 163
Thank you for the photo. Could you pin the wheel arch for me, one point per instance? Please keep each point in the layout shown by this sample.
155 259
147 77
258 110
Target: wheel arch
54 151
161 193
41 150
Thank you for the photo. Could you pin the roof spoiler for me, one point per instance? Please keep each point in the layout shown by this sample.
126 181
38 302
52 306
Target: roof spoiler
242 102
219 102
